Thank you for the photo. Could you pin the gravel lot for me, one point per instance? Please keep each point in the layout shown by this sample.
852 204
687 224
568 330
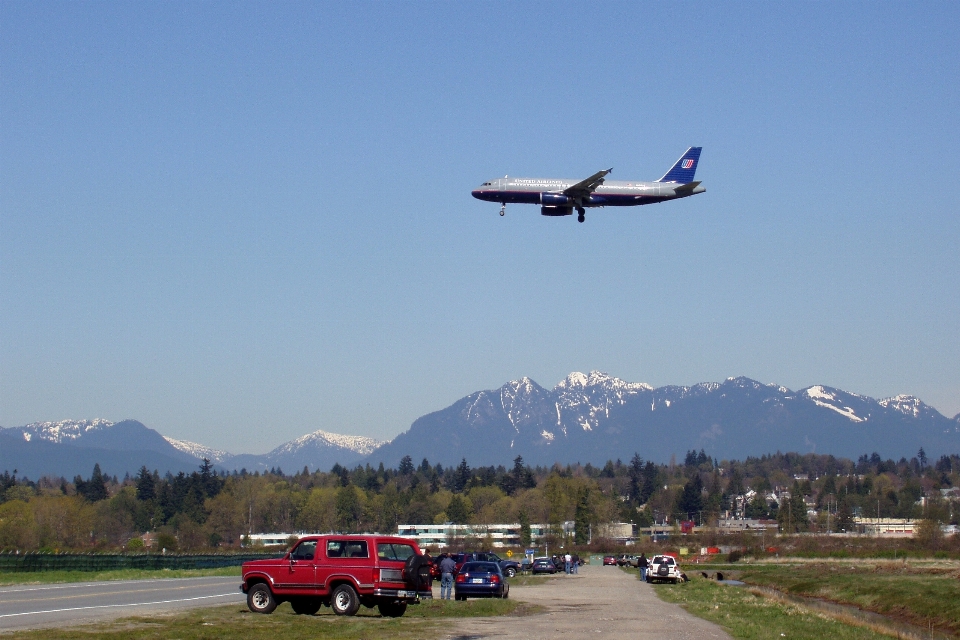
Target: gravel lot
600 601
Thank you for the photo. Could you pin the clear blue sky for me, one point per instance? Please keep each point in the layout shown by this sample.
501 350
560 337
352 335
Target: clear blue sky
241 222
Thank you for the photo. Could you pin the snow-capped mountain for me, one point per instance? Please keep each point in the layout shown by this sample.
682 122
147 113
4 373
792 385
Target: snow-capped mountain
198 451
595 417
591 417
358 444
319 450
72 447
64 430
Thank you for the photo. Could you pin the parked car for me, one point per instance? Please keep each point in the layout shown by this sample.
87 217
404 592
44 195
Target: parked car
341 572
543 565
664 568
509 567
609 560
480 580
626 560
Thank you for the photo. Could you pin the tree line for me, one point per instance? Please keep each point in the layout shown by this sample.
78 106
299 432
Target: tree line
210 508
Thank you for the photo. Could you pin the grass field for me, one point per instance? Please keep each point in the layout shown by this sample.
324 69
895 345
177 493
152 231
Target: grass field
752 617
51 577
232 621
925 596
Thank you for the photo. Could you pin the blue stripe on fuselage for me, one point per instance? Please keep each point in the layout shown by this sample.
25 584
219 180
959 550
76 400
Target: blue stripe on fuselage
595 200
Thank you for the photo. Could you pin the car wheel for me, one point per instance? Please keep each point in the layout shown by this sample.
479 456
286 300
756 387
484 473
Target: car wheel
510 572
392 609
506 593
344 601
305 606
260 599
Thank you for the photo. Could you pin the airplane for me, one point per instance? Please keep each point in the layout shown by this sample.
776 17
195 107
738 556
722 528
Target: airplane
561 197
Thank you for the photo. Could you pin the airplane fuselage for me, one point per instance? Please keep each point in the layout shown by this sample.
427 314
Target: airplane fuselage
549 191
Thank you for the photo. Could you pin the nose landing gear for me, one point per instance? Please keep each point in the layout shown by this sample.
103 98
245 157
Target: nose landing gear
580 214
503 208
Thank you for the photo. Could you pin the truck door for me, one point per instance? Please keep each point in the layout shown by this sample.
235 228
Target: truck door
301 569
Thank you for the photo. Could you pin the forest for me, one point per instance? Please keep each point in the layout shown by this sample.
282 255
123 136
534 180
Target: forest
210 509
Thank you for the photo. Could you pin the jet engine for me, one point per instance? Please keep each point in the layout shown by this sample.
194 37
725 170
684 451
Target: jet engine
547 210
549 199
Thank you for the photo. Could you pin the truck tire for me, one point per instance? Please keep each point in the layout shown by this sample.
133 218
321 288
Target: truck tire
344 601
305 606
510 572
260 599
392 609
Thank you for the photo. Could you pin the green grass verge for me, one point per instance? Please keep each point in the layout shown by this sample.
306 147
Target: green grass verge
925 597
745 615
49 577
232 621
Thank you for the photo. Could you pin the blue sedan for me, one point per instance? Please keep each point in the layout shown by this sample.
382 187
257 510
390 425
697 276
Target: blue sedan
480 580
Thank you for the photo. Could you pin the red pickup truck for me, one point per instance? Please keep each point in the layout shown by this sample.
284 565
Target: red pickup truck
341 572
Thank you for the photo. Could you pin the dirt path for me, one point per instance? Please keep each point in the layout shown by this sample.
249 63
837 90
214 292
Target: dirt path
600 601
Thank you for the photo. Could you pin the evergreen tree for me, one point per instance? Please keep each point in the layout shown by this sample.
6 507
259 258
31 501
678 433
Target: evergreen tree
526 536
650 474
581 519
457 511
145 485
461 477
690 502
792 516
94 489
406 466
636 477
735 486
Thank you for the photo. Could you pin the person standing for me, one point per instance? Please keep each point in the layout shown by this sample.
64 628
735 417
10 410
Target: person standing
447 568
567 560
575 565
642 563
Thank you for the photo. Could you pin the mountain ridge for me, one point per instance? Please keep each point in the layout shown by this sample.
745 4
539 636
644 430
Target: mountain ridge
590 417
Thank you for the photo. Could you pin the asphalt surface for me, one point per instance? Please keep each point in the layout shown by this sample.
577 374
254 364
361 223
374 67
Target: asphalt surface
30 606
603 602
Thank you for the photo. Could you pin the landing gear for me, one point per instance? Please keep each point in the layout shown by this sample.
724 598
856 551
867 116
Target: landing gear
503 208
580 214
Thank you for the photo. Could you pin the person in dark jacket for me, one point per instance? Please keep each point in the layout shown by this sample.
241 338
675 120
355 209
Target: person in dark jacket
642 563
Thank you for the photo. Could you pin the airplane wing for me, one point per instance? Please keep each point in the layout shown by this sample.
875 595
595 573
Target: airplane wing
588 186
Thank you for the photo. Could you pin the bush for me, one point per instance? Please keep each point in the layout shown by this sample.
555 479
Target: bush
166 541
734 556
135 544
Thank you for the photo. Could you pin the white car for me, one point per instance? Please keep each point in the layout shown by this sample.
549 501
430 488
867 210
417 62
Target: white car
664 568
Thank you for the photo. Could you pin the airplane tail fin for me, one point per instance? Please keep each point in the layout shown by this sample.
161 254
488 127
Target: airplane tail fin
685 168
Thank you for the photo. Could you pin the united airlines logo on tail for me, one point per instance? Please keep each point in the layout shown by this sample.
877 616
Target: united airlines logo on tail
687 163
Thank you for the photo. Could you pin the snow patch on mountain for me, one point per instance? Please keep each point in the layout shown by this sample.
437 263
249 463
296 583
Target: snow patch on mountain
823 398
908 405
589 397
61 431
358 444
198 451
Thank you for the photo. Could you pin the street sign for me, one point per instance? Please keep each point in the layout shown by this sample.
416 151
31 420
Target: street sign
509 553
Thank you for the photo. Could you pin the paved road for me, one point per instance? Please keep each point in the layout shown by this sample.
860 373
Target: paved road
51 605
598 602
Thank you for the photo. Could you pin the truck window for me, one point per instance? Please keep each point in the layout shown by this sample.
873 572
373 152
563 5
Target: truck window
347 549
394 551
305 550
